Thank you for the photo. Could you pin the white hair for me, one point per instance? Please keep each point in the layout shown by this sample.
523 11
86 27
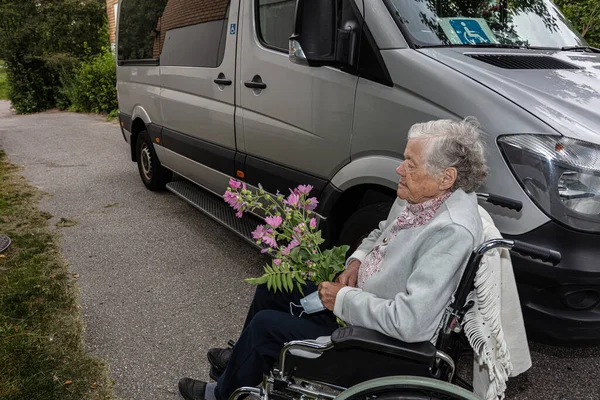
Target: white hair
454 144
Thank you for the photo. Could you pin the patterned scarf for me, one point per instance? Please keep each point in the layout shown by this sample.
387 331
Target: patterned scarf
412 216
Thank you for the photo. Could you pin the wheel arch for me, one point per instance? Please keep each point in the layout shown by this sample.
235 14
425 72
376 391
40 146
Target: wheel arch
139 122
364 181
349 202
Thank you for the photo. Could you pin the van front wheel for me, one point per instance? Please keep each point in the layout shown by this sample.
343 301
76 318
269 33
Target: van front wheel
153 174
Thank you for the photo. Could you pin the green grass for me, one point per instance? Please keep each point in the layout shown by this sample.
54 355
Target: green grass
42 353
3 83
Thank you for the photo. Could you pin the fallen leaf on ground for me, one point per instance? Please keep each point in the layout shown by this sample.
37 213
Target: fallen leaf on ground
66 223
68 382
75 276
94 385
2 256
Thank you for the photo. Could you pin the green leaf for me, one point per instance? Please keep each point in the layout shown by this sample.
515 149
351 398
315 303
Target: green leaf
303 254
300 279
258 281
278 281
270 282
284 282
290 282
269 269
318 239
295 254
299 287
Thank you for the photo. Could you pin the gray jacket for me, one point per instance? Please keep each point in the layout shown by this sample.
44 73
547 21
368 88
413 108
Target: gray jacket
419 273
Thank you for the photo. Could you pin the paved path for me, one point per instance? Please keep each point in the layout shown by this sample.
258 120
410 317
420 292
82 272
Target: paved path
160 282
5 110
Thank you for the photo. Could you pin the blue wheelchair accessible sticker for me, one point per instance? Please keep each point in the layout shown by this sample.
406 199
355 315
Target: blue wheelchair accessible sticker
467 30
232 29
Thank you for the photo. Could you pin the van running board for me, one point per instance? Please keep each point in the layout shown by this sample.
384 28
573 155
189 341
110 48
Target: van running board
216 208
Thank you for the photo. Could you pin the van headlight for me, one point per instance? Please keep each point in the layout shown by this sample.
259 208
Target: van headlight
561 175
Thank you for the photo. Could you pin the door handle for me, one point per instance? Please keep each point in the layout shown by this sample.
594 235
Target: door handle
256 83
222 80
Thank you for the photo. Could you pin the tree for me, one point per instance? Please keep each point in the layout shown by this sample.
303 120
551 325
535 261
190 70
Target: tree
585 15
42 42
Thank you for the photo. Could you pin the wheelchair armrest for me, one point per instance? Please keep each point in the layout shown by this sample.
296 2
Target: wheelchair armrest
356 336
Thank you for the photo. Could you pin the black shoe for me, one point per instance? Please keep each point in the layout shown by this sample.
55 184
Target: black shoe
192 389
218 359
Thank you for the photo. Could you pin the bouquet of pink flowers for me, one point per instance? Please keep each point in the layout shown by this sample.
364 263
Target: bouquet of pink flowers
290 236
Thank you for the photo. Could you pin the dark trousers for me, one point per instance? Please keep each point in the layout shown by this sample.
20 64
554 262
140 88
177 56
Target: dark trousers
268 326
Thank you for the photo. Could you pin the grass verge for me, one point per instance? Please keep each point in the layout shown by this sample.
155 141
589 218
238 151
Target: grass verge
42 352
3 83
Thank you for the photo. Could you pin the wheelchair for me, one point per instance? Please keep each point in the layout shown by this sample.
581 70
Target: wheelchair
356 363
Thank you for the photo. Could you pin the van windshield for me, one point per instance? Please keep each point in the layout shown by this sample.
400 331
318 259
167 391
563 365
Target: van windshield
522 23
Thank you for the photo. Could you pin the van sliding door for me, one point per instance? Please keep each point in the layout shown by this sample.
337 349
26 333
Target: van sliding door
197 47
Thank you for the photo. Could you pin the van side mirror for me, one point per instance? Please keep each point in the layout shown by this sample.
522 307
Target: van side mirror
321 37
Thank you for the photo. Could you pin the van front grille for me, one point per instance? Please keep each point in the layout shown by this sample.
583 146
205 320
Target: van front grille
522 61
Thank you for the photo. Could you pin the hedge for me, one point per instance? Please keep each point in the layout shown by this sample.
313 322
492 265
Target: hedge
93 85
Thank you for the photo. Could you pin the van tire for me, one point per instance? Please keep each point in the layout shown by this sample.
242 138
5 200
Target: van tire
361 223
153 174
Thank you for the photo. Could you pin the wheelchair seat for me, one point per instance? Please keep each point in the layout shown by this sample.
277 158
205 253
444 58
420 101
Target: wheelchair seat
359 354
356 336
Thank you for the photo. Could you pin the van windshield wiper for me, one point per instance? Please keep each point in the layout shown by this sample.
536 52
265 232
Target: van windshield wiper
482 45
496 45
580 48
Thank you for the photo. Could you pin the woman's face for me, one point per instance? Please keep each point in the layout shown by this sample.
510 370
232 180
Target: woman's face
416 184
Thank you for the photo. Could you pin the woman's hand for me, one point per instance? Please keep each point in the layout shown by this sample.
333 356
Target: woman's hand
350 275
328 292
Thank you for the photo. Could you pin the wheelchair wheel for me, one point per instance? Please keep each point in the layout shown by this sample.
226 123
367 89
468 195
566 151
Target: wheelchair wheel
406 388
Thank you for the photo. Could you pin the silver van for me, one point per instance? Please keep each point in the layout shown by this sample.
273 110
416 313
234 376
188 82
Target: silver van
323 92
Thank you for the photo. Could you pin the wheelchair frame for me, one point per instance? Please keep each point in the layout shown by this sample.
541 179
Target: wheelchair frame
278 385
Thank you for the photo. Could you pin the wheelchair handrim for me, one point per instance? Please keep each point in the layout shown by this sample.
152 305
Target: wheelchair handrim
406 382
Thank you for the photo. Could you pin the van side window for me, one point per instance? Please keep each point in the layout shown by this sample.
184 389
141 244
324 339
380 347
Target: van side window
193 33
275 22
137 29
187 33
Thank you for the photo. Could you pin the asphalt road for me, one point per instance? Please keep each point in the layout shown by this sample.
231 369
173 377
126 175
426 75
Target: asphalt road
160 282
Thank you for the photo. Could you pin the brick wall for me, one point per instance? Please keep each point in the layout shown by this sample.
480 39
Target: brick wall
112 26
180 13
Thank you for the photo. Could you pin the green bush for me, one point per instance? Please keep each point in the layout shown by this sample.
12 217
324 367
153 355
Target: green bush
31 86
93 85
63 67
3 82
42 42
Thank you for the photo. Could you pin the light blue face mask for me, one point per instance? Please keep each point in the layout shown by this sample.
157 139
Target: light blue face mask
312 303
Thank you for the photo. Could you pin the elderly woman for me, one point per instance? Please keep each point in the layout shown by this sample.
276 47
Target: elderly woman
401 278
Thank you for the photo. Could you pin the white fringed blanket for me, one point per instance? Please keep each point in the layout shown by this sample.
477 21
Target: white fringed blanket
494 325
